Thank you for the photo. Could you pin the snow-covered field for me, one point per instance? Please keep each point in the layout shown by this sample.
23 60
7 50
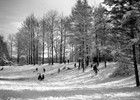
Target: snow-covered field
20 83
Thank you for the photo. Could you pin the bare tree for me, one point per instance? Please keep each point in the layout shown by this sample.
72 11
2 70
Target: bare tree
31 26
43 27
52 20
56 47
61 28
11 44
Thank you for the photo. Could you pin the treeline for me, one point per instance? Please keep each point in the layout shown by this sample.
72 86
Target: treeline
3 48
109 31
38 38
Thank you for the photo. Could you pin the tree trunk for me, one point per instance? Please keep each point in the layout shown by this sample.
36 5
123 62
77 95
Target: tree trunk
104 31
34 55
134 52
135 59
31 48
29 59
18 51
11 50
64 50
105 60
72 54
52 47
79 60
139 54
135 66
52 53
83 56
64 57
56 56
83 67
37 55
61 48
48 55
34 48
43 42
37 50
97 50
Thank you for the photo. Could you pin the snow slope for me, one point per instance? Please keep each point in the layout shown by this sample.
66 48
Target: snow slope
20 83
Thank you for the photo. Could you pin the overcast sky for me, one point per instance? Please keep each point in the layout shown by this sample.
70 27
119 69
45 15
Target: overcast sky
14 12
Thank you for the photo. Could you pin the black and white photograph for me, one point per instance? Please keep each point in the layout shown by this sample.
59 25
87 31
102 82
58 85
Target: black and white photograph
69 49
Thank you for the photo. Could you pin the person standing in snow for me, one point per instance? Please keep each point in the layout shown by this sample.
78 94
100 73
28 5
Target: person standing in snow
75 65
95 68
39 77
44 70
68 61
58 70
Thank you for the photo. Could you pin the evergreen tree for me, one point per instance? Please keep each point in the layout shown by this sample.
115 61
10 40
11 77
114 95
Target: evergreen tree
101 32
125 33
81 25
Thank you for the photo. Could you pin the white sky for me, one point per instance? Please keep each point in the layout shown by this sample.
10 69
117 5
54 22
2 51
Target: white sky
14 12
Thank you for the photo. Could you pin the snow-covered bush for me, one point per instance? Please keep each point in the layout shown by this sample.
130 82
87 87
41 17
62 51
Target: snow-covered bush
123 70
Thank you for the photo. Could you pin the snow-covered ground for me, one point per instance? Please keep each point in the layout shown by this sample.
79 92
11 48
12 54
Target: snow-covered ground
20 83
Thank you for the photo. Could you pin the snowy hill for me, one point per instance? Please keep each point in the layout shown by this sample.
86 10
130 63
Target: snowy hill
20 83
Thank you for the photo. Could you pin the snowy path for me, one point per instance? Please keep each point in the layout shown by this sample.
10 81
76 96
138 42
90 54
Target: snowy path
20 83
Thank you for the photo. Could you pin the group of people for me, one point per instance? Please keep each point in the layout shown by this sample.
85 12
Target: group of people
94 66
40 75
58 70
67 68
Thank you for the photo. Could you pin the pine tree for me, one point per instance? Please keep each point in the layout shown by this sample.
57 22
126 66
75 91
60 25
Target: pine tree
81 24
100 27
126 33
